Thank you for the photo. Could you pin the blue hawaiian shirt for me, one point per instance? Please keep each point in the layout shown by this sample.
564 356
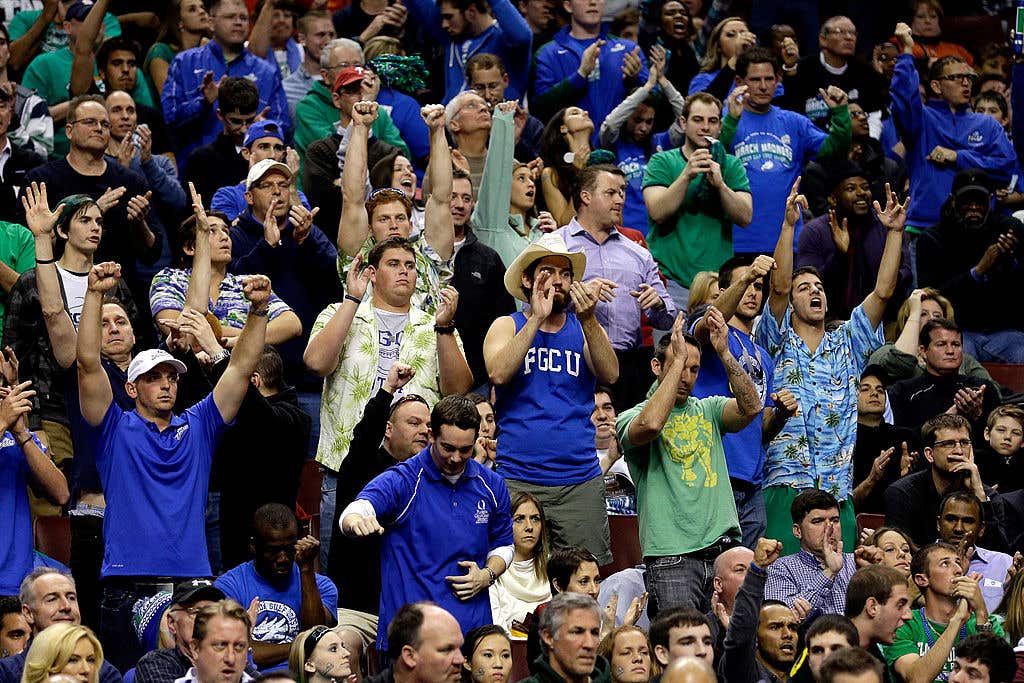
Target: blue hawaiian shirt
815 448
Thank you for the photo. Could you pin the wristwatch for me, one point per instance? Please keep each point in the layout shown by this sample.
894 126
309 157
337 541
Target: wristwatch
444 329
220 355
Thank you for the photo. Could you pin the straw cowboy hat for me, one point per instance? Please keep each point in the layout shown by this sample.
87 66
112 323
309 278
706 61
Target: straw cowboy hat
549 244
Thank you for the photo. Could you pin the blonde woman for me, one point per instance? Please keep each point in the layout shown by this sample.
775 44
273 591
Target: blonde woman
64 648
703 289
319 656
628 651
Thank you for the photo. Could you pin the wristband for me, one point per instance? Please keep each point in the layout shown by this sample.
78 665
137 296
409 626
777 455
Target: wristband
984 627
220 355
21 444
349 297
757 570
494 577
45 260
449 329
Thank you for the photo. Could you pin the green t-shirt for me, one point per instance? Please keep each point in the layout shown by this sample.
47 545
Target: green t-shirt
54 38
683 496
17 250
158 51
912 639
701 238
49 74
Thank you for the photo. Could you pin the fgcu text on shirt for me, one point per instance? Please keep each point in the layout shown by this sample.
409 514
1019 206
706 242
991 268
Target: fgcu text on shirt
156 484
432 525
545 436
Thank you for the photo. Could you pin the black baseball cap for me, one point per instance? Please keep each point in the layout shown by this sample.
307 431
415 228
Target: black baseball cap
194 590
972 180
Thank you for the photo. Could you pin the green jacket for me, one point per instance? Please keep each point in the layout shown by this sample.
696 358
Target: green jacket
545 674
315 116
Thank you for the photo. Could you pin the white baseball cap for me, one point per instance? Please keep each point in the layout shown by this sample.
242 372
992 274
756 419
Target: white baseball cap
264 167
147 360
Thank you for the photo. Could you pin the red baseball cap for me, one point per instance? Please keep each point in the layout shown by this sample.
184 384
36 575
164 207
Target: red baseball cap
348 76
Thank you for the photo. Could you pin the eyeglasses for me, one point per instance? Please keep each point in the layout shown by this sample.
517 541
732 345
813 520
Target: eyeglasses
852 32
953 443
92 123
283 186
952 78
344 65
859 114
191 611
885 59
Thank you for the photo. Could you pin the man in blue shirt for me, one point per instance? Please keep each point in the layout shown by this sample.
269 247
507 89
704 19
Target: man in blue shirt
774 144
822 368
154 465
741 281
446 522
191 91
281 577
468 27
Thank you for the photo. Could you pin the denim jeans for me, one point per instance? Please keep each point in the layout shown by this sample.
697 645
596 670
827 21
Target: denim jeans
750 510
213 530
309 402
121 645
328 497
678 581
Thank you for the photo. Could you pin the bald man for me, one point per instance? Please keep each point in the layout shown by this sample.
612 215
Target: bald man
688 670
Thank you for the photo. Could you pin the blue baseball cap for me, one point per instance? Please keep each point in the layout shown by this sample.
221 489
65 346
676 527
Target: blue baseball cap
78 10
263 129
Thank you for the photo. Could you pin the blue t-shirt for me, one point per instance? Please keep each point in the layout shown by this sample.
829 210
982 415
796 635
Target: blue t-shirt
16 556
632 160
278 618
744 451
545 436
156 484
773 147
432 525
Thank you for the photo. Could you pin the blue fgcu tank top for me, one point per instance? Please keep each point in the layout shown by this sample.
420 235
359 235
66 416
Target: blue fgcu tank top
545 435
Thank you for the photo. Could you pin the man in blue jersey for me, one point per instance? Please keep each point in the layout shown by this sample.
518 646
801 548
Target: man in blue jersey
154 465
292 596
942 135
446 520
742 280
545 365
774 144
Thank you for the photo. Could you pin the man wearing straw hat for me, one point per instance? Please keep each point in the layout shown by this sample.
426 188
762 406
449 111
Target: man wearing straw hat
545 363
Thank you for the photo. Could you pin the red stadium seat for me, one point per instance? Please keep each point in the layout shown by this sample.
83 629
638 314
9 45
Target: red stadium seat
1010 375
53 537
866 520
520 667
307 504
626 553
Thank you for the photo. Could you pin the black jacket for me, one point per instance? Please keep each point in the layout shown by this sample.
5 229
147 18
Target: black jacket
21 162
543 673
917 400
212 167
947 253
912 504
479 278
354 563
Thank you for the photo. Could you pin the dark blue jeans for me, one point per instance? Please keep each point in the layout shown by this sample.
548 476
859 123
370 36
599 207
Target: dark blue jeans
750 510
678 581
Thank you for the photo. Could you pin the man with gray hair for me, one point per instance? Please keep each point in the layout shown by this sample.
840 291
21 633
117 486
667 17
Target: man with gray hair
469 121
316 115
570 630
48 596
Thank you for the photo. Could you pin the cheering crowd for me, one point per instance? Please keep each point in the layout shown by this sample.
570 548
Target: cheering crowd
498 273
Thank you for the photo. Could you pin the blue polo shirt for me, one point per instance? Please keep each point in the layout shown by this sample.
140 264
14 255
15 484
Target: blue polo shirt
156 485
432 525
16 555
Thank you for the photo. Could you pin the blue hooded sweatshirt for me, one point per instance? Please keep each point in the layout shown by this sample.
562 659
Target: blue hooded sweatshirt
604 89
978 140
510 38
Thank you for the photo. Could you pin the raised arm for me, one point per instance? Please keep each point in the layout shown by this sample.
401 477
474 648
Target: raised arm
259 36
504 348
94 392
782 276
84 60
615 119
59 327
494 196
438 227
904 90
455 375
910 335
324 349
598 351
355 225
232 385
26 46
739 659
729 299
741 410
197 296
651 419
894 217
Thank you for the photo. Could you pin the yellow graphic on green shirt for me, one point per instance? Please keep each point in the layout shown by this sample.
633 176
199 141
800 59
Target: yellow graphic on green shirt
687 439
